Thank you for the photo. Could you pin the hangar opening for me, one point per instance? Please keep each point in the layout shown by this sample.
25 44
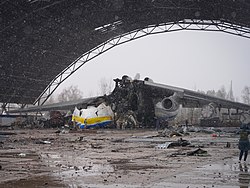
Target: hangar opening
44 42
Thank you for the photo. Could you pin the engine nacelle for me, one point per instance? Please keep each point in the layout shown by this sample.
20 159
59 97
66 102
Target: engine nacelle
245 117
208 111
167 108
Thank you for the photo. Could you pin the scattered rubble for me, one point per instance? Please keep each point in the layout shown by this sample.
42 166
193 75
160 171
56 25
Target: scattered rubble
197 152
135 158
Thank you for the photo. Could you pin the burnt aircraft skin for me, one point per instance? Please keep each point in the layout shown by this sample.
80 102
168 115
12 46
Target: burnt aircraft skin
139 103
147 101
131 97
143 102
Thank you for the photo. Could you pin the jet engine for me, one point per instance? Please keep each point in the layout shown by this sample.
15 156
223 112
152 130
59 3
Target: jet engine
167 108
208 111
245 117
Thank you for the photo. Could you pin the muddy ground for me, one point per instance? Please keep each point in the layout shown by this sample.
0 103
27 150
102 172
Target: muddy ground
118 158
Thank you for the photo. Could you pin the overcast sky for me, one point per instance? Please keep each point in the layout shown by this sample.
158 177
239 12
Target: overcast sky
188 59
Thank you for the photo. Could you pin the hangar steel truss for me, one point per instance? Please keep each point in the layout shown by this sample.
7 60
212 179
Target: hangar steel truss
187 24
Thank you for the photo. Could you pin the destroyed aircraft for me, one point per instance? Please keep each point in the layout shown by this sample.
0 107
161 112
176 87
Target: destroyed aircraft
92 116
140 103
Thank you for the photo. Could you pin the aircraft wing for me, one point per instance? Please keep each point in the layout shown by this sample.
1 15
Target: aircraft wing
191 99
185 97
69 105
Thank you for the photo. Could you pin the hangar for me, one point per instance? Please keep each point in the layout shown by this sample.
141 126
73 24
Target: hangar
43 42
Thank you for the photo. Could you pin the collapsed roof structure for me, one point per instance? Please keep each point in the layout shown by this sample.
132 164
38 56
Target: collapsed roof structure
43 42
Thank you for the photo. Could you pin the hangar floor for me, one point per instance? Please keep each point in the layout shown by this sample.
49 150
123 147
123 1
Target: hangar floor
118 158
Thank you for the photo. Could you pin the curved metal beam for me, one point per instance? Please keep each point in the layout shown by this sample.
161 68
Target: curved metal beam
187 24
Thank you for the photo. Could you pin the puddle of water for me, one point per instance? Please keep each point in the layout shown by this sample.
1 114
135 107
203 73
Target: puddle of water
178 185
38 182
221 167
224 174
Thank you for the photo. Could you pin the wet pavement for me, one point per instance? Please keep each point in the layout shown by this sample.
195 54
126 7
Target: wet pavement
116 158
34 182
227 173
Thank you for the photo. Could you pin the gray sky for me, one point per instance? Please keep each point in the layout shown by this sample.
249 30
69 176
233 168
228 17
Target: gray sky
188 59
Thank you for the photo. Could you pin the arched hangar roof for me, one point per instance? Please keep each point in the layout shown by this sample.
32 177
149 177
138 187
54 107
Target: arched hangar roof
41 38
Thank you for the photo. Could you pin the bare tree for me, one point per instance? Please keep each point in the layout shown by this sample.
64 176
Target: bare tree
70 93
105 86
246 95
211 92
51 100
196 115
200 91
221 93
181 116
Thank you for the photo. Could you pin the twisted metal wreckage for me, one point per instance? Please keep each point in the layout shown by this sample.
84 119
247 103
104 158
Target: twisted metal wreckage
83 30
142 103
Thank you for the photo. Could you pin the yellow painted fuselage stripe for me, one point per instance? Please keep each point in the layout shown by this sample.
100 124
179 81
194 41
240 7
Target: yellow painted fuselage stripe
90 121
